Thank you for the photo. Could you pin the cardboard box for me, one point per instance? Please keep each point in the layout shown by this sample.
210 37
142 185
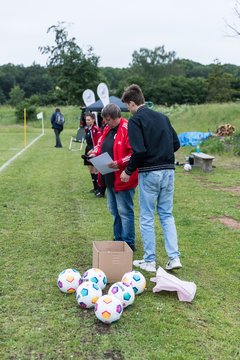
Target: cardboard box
113 257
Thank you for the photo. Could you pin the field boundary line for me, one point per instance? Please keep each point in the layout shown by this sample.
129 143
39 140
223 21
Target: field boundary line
19 153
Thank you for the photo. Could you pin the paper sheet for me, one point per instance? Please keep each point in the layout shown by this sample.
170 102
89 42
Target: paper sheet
101 163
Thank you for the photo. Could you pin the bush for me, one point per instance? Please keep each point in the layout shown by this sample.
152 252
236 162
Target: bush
30 110
234 143
220 145
213 145
34 100
16 95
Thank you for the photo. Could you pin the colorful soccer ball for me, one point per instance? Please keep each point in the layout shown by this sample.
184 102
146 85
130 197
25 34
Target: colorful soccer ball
87 294
108 308
69 280
136 280
187 167
96 276
123 292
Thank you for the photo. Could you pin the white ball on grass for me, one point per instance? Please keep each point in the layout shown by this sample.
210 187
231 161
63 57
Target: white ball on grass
136 279
69 280
87 294
123 292
187 167
108 308
96 276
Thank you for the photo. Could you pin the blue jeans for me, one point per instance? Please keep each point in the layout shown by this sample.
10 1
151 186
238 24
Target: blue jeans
57 134
120 205
156 189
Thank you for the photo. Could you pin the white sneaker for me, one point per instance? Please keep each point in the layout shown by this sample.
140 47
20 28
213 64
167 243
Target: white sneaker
148 266
173 264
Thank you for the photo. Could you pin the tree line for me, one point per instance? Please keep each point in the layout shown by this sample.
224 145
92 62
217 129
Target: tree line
164 78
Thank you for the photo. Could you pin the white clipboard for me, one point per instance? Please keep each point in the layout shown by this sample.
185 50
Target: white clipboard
101 163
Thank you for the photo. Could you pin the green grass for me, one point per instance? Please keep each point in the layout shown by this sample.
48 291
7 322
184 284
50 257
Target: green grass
7 115
71 113
48 223
207 117
184 117
12 140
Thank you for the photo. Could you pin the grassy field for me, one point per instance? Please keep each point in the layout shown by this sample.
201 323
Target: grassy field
184 118
48 222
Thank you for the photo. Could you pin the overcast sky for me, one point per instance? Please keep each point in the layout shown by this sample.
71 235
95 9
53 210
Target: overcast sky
194 29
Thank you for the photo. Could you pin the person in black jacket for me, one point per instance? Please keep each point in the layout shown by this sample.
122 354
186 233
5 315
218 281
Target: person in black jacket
58 128
153 141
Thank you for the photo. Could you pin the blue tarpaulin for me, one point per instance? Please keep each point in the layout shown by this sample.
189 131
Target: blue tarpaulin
193 138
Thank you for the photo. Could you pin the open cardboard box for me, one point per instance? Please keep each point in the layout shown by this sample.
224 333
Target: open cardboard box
114 258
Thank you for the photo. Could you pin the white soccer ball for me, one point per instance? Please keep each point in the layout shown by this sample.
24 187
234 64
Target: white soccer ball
69 280
87 294
136 280
108 308
96 276
187 167
123 292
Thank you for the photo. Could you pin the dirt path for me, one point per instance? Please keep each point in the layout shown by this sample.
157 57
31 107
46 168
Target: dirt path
234 224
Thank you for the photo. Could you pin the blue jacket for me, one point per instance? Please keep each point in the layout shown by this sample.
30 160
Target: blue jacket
54 125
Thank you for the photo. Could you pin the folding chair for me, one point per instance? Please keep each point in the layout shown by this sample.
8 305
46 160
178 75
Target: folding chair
79 138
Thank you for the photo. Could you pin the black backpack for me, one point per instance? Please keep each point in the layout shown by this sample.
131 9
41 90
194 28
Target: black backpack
59 119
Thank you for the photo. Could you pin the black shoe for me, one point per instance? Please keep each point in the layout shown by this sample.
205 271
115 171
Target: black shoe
99 195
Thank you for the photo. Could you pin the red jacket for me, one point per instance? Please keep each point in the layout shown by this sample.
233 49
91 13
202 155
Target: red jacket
95 134
121 154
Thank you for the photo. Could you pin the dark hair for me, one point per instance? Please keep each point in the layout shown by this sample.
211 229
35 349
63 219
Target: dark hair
111 110
133 93
57 110
91 115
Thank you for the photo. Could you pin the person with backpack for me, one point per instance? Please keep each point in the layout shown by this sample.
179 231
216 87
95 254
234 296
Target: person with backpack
57 121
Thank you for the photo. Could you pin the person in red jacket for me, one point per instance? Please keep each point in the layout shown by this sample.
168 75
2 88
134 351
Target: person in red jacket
92 135
114 141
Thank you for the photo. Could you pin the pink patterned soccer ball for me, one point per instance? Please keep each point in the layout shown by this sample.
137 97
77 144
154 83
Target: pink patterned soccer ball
108 308
136 280
87 294
96 276
123 292
69 280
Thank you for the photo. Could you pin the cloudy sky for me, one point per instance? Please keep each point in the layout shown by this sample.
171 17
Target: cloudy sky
195 29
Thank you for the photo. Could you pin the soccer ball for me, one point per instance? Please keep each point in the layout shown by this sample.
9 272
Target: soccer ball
108 308
69 280
123 292
187 167
96 276
87 294
136 280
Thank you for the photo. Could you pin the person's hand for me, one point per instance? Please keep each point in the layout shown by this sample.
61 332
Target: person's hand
124 177
89 152
113 165
91 155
